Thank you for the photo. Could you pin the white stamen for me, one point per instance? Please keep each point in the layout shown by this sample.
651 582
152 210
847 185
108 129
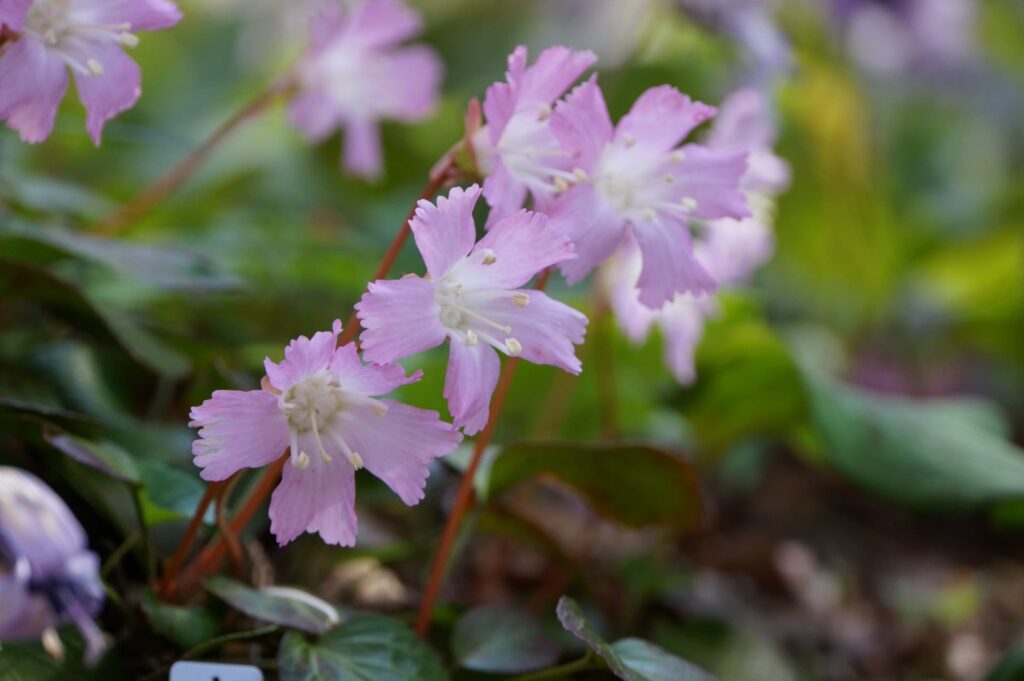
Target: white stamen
471 337
544 112
677 156
560 184
628 140
52 644
301 461
353 457
489 257
128 39
520 299
649 214
316 436
380 409
356 460
580 174
513 346
689 203
95 68
670 178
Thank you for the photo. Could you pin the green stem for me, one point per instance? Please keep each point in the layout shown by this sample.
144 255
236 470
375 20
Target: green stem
584 663
228 638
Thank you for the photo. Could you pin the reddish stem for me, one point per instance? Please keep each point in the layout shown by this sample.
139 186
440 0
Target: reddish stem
464 496
210 559
150 197
166 587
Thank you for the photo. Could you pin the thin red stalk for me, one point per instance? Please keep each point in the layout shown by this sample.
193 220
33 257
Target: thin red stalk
150 198
210 558
464 496
176 561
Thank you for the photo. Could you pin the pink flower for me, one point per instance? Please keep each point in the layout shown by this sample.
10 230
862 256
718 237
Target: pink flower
471 296
87 36
634 178
516 150
323 403
729 249
355 73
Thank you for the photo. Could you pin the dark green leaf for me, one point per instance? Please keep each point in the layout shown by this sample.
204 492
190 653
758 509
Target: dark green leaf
104 456
28 663
170 493
656 664
939 453
500 639
1010 668
188 626
630 659
363 648
273 607
637 485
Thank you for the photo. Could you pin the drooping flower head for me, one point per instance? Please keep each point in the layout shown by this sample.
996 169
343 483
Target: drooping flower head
48 577
634 178
728 249
516 150
356 73
471 296
86 36
323 404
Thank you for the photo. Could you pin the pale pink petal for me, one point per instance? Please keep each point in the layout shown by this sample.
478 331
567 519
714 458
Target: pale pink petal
521 245
32 83
595 230
313 113
367 379
327 25
743 122
321 498
733 249
362 152
469 383
619 277
504 193
581 123
669 266
712 180
409 83
682 323
445 232
110 93
400 318
554 71
661 118
13 12
238 429
398 446
140 15
545 328
500 99
377 24
303 357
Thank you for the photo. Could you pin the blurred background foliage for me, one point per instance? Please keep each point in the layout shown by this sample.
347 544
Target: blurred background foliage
856 421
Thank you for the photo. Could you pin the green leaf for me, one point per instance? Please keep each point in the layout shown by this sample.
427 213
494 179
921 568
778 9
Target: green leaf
188 626
104 456
656 664
630 659
1010 668
637 485
939 453
28 663
297 612
169 493
500 639
363 648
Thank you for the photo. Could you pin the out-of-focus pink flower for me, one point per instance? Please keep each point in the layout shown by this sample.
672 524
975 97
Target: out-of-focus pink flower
471 295
48 576
728 250
324 404
516 151
356 73
87 36
636 179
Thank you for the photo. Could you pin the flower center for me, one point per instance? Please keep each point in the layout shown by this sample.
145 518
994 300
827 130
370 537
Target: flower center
462 317
56 24
529 150
639 186
312 405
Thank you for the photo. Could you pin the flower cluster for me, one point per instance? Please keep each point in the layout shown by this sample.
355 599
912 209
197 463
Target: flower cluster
46 38
595 188
48 577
